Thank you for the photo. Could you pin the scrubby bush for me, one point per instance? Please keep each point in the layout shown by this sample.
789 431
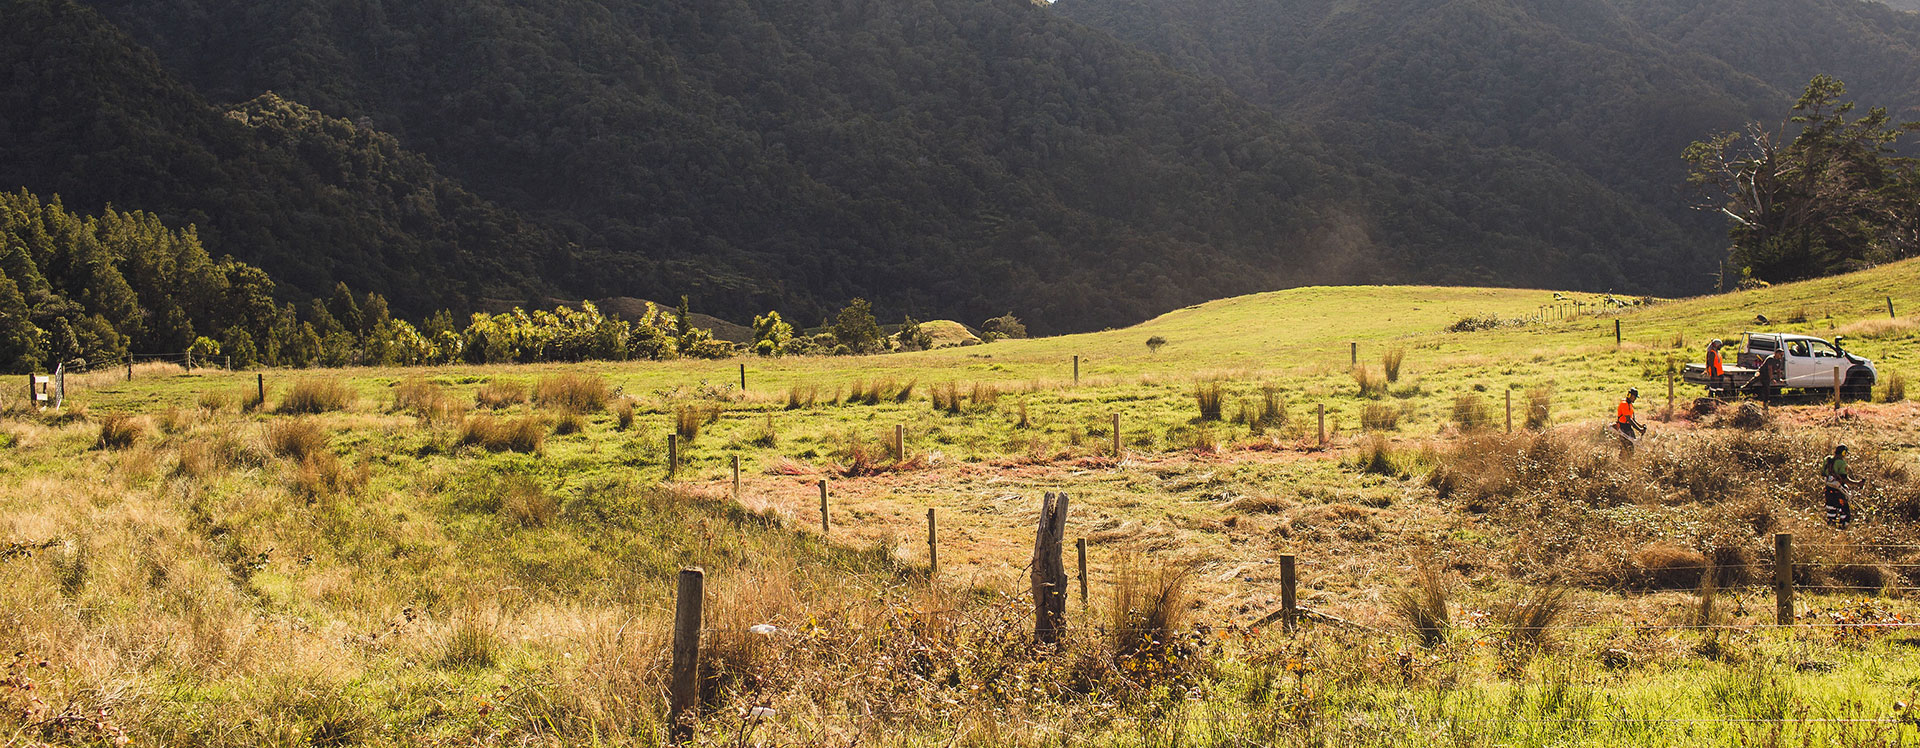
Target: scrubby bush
1155 343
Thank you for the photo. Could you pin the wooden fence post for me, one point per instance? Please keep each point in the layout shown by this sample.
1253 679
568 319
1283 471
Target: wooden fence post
673 456
1116 437
899 443
1509 410
736 477
743 377
1081 544
1669 390
260 388
1783 578
933 546
1890 314
1616 333
1049 577
1323 425
826 525
1836 388
684 689
1353 352
1288 615
129 367
1076 370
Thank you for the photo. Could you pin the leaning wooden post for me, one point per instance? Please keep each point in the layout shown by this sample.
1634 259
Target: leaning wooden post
1509 410
736 477
1288 615
1116 436
673 455
899 443
1890 308
1783 578
933 546
826 525
1049 576
1081 544
684 688
1323 425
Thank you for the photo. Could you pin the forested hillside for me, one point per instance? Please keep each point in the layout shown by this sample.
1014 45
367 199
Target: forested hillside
90 117
949 157
1609 92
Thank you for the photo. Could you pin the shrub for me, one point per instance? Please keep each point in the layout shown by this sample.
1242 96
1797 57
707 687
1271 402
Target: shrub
1208 396
1474 323
1390 363
1422 606
1470 412
1380 417
297 439
1370 386
1539 408
525 434
317 396
577 393
119 431
496 395
1155 343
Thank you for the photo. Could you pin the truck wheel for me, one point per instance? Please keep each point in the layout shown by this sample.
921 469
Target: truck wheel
1857 387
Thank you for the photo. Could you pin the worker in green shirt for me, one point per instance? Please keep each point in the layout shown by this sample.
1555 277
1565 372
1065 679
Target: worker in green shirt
1839 478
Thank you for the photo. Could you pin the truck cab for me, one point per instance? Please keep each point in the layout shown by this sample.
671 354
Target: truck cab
1812 363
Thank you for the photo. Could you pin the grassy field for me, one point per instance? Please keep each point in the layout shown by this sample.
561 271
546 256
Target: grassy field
484 555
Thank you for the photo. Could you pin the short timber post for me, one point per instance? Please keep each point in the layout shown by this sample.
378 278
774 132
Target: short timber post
736 477
1616 333
826 525
1081 545
1353 352
1890 314
1836 388
899 443
933 546
1049 578
1783 578
1116 436
1323 425
1076 370
743 377
1288 615
130 362
260 389
684 688
673 456
1509 410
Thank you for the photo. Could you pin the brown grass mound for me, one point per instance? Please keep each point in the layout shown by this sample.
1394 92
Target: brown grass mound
119 431
499 394
298 439
525 434
578 393
317 396
1668 566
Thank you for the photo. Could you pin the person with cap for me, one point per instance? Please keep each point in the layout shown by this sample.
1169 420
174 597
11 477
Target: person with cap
1839 478
1768 376
1625 423
1715 368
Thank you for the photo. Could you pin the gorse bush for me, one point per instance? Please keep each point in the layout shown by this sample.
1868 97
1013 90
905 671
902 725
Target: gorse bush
577 393
317 396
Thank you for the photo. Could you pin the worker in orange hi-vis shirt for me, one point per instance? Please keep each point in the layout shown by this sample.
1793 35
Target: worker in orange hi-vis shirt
1626 424
1715 368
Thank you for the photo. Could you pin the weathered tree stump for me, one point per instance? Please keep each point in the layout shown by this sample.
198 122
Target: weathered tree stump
1049 570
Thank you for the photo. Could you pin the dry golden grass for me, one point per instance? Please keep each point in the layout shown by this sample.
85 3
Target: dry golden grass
1424 606
579 393
317 396
524 434
623 413
500 394
120 431
425 400
297 439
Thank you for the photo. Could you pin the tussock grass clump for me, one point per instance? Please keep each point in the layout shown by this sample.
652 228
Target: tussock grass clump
525 434
984 395
525 503
946 398
578 393
1539 408
471 643
1528 618
1022 421
1665 565
175 421
569 422
498 395
1371 387
322 475
687 420
317 396
1423 606
1208 396
120 431
1380 417
297 439
623 414
1149 606
905 392
1895 388
1390 363
801 396
424 400
214 401
765 436
1471 413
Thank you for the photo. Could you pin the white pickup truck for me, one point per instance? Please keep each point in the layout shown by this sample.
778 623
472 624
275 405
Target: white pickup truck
1812 364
